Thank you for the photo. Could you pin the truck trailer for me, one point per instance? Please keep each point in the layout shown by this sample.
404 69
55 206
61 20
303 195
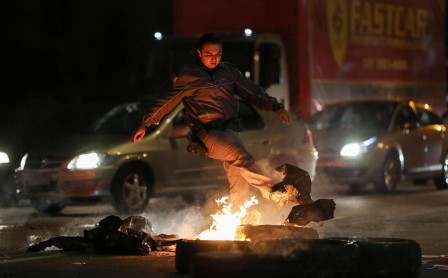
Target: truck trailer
310 53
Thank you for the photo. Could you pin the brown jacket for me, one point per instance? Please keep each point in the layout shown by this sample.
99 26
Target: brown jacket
209 95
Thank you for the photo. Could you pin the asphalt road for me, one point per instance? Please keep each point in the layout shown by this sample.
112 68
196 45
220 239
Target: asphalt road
412 212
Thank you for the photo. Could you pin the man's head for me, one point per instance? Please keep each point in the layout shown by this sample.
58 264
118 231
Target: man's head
210 50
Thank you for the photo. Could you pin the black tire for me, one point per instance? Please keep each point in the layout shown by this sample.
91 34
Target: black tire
388 257
48 204
130 190
266 232
186 250
441 182
390 174
281 258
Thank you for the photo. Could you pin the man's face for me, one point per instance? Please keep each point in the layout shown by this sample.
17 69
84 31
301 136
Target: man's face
210 55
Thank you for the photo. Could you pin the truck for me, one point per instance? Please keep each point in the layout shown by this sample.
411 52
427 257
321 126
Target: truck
309 53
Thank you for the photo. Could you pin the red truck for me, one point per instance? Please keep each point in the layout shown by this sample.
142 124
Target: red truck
313 52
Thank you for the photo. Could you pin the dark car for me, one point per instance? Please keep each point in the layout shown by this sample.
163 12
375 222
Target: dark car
8 159
103 163
381 142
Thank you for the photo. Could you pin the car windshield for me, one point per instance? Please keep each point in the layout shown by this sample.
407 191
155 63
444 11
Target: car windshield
363 115
121 120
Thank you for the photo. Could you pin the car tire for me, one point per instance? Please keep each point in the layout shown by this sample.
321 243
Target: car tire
281 258
130 190
48 204
390 174
387 257
441 182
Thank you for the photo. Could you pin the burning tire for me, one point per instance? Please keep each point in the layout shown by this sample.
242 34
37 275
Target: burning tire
263 232
187 249
281 258
387 257
130 190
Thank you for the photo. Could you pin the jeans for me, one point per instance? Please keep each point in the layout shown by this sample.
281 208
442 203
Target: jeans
241 169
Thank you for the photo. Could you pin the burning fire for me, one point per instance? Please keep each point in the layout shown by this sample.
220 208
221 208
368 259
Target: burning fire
225 223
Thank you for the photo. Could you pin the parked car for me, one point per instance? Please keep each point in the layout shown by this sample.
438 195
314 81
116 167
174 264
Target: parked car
102 162
382 142
8 188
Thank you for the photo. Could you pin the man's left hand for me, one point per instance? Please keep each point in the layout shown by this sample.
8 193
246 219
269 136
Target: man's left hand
284 116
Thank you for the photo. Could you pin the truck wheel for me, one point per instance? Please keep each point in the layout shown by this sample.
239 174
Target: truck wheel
390 175
441 182
130 190
387 257
48 205
302 258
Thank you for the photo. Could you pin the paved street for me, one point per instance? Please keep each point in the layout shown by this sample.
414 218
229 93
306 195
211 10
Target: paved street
413 212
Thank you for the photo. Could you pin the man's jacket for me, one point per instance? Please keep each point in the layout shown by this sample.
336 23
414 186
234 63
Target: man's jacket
209 95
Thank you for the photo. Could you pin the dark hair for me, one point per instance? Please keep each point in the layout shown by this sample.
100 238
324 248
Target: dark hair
211 38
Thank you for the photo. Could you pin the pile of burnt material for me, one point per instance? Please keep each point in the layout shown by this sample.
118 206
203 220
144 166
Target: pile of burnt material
133 236
306 210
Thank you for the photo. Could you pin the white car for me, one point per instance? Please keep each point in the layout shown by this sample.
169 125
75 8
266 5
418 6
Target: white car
103 163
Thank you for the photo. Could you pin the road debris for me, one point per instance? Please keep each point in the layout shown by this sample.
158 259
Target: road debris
133 236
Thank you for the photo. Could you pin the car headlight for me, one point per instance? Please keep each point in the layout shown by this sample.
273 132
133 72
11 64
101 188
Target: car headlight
86 161
4 158
355 149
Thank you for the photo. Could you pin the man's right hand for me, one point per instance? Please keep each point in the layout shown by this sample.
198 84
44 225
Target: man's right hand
138 135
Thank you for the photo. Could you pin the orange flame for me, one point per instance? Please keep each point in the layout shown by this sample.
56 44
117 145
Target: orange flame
225 223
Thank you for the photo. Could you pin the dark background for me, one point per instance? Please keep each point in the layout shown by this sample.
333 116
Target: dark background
66 61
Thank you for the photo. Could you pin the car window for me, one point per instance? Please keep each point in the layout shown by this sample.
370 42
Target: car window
353 116
249 117
121 120
427 117
179 119
405 115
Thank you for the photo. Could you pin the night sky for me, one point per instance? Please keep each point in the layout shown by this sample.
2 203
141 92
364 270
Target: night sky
66 60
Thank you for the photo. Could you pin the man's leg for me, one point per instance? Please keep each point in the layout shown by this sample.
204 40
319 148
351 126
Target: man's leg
239 164
239 187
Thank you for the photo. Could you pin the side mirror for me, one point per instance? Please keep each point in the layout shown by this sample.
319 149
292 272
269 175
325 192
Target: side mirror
179 131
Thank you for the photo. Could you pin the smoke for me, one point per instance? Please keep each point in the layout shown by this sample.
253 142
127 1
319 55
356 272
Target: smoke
174 216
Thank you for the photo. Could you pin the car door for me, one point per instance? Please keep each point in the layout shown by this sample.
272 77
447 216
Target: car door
183 168
434 133
410 138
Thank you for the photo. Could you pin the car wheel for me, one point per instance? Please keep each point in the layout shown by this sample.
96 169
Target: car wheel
48 205
441 182
390 174
130 190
